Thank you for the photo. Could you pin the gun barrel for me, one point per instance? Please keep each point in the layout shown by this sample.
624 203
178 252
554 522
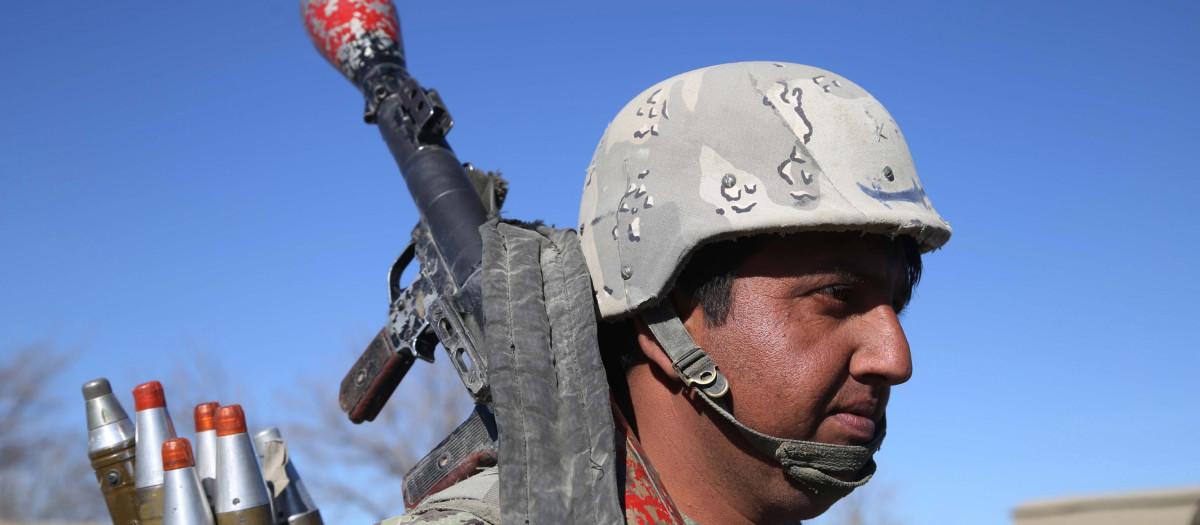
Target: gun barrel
439 186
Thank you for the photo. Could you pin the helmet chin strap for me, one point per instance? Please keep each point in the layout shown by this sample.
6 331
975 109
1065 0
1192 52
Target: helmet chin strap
812 464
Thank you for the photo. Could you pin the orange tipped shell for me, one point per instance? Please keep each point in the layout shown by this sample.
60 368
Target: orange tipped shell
177 454
149 395
206 416
231 420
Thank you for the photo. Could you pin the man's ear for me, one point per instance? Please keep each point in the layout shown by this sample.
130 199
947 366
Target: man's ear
651 350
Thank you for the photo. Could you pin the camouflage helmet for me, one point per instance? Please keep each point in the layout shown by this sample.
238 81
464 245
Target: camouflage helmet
739 149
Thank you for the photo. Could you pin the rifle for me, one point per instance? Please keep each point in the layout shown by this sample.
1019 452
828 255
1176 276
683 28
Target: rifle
549 383
443 303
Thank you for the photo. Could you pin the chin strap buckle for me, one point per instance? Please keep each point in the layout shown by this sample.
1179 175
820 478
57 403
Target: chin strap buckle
691 364
697 370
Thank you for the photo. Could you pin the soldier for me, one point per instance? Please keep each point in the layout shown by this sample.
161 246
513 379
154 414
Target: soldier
752 231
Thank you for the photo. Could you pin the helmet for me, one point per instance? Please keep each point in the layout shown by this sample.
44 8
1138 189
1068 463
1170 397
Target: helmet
740 149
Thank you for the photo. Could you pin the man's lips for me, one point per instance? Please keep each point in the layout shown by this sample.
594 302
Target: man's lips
854 426
857 419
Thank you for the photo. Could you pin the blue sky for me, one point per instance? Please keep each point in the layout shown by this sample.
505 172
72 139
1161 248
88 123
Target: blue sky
180 175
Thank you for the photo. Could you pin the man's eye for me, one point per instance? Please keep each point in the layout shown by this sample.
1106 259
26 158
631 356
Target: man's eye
841 292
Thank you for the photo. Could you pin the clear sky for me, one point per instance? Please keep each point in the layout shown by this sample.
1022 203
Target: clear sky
176 175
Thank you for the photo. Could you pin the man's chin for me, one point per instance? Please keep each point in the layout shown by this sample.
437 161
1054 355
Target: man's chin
809 504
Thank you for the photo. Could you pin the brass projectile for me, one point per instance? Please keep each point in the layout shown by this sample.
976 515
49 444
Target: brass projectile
111 448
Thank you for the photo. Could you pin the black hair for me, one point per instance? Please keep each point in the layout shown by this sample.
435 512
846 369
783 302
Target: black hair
708 276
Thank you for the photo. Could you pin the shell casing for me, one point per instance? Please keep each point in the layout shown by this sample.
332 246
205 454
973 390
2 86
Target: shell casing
253 516
115 475
183 499
206 463
150 505
240 484
154 428
312 517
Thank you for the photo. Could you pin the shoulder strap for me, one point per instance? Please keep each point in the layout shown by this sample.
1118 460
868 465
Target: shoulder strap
549 390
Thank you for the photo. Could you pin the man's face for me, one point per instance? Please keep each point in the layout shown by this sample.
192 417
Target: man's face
812 343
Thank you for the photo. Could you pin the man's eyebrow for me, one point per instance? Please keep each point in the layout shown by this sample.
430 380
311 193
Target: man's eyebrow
859 273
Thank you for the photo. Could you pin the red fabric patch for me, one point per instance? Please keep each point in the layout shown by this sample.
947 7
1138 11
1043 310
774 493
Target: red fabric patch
646 499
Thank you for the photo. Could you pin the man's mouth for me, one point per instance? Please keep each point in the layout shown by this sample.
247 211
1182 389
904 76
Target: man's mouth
855 427
857 420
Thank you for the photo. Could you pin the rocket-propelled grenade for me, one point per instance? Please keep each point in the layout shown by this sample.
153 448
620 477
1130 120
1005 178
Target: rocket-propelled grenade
289 497
154 428
241 497
362 40
111 448
183 498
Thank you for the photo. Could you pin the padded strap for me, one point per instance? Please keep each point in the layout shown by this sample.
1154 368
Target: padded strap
549 390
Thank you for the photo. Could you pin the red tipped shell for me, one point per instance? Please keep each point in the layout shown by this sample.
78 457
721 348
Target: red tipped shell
177 454
149 395
206 416
231 420
332 24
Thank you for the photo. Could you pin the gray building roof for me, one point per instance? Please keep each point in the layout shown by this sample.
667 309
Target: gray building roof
1161 507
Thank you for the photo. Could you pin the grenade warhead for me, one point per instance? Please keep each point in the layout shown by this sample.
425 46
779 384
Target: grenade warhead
154 428
241 493
183 499
111 442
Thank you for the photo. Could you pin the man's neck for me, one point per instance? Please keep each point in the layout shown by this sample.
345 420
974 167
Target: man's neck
697 459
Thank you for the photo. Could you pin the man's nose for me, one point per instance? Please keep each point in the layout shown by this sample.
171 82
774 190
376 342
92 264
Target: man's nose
883 356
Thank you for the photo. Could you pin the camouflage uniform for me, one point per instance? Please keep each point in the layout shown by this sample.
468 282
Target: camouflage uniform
476 502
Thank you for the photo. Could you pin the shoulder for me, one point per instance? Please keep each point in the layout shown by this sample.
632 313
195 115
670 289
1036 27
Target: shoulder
473 501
